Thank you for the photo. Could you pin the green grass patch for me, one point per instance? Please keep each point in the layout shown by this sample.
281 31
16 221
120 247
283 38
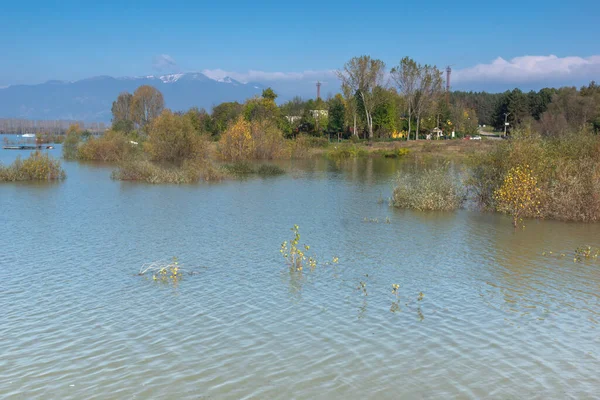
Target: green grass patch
343 152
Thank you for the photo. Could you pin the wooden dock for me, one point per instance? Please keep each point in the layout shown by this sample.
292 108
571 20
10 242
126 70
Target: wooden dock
27 147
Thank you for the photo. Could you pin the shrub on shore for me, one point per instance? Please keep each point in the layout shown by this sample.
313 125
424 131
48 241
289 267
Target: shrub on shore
433 189
37 167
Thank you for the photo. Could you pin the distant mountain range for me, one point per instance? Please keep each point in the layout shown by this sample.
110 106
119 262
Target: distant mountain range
91 99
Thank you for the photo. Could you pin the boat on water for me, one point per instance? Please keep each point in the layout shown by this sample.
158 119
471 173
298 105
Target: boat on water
28 135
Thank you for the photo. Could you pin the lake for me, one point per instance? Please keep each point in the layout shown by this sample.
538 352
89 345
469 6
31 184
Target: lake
481 312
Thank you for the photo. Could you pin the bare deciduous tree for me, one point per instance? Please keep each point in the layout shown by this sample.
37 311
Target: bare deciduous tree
406 76
429 88
420 85
361 75
147 104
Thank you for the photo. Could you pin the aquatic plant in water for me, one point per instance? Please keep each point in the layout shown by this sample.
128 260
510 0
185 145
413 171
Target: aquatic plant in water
395 307
295 254
586 253
165 272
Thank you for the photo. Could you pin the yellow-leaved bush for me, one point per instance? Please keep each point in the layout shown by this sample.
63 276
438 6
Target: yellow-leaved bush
519 194
251 140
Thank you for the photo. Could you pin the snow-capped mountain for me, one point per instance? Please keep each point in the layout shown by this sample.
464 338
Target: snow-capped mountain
91 99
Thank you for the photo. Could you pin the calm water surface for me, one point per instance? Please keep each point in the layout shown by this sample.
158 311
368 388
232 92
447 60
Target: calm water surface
498 319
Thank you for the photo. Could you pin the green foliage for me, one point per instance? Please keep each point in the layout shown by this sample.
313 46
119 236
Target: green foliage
345 151
385 112
261 109
37 167
395 153
313 141
122 109
362 76
239 168
49 138
224 115
433 189
484 104
337 114
269 94
71 143
124 126
269 170
200 120
245 168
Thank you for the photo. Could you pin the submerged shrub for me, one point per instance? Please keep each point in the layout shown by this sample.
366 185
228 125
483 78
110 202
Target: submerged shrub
173 138
239 168
146 171
269 170
431 189
112 146
71 142
245 168
341 152
396 153
251 140
299 147
519 194
313 141
567 170
37 167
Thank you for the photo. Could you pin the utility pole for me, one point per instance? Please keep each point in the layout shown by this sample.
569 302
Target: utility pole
448 73
505 122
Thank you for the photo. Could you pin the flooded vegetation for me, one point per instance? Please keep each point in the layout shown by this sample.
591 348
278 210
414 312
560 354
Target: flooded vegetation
37 166
410 290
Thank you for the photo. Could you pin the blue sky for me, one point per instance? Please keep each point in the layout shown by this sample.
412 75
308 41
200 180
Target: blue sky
75 40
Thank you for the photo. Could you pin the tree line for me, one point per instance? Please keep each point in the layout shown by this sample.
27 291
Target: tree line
407 101
57 127
549 111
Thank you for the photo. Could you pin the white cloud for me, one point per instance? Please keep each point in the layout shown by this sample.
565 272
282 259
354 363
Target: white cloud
527 69
519 71
263 76
164 62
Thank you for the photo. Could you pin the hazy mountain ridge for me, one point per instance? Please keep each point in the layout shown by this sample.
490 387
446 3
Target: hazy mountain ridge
91 99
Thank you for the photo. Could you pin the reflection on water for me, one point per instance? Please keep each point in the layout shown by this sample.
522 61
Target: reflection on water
497 318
